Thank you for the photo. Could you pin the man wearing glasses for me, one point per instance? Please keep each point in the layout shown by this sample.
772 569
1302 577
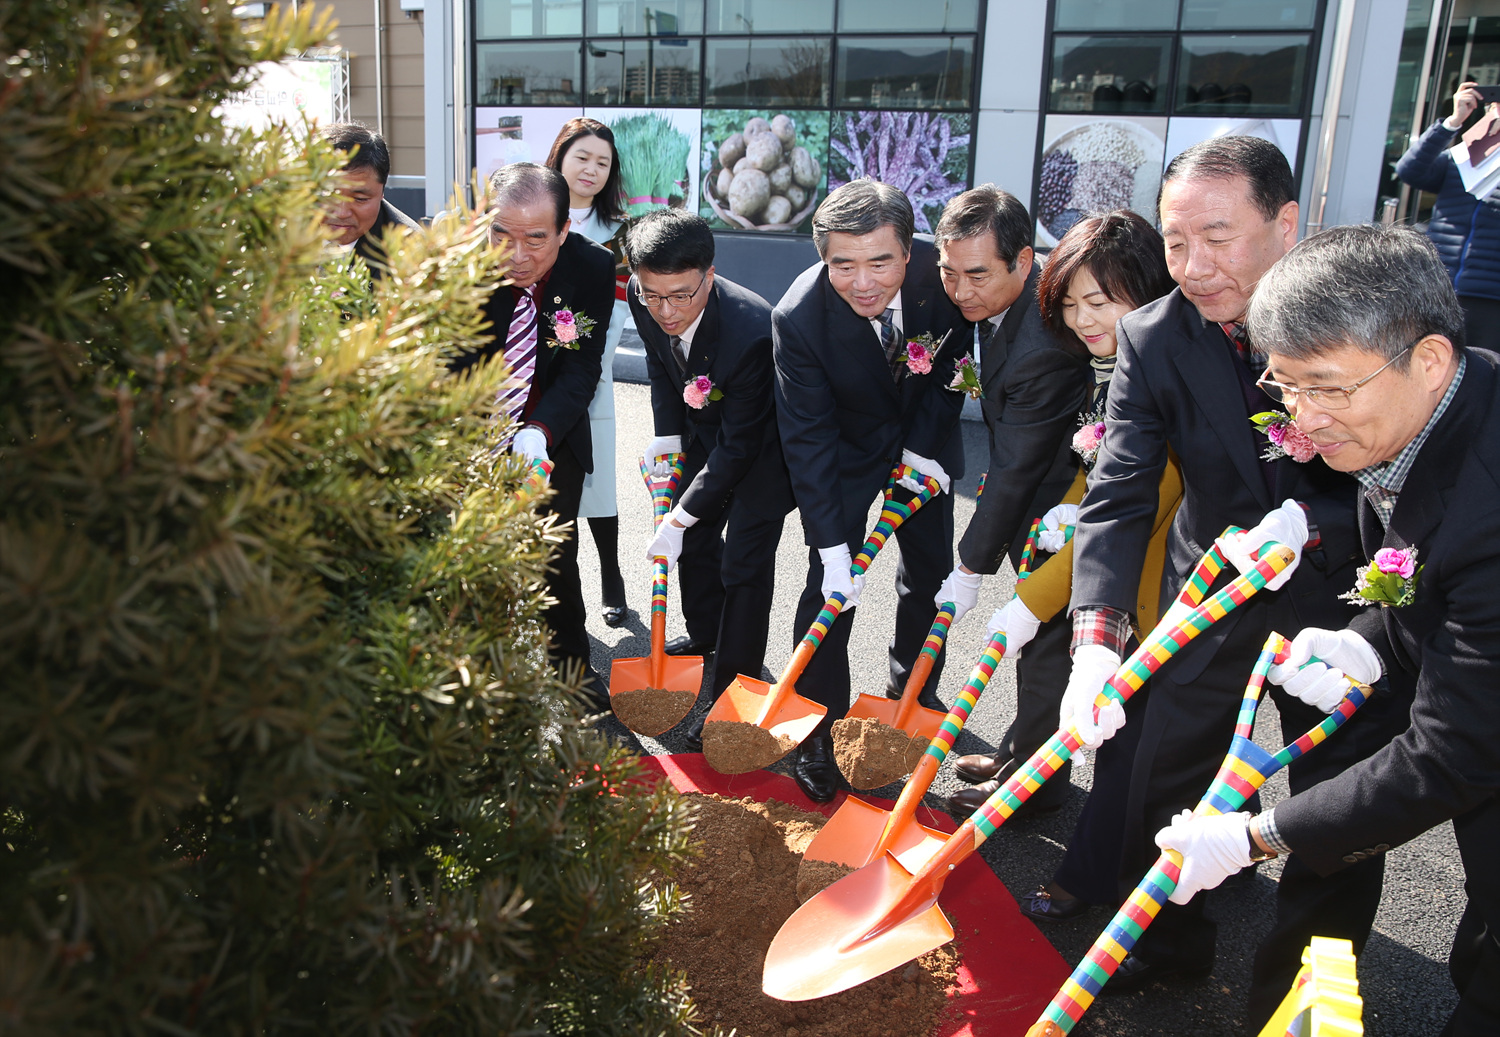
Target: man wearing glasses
1420 432
1186 383
703 330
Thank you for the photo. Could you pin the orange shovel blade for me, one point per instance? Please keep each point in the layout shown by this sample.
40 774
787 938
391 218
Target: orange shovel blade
678 673
826 946
922 721
746 699
854 830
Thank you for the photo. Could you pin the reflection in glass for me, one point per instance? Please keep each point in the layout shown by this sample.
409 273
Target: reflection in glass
1248 14
1238 75
637 72
905 72
1115 14
770 16
1109 73
645 17
908 15
531 73
756 72
509 19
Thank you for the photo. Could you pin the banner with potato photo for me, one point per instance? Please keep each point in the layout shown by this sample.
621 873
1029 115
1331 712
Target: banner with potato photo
763 169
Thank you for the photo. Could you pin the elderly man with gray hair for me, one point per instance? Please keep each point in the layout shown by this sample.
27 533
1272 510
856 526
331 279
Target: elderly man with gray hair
1366 344
850 406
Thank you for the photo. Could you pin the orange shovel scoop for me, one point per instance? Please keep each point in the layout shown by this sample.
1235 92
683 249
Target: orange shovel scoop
754 724
654 694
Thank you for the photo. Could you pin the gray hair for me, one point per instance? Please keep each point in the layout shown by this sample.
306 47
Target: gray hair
1379 289
526 183
862 207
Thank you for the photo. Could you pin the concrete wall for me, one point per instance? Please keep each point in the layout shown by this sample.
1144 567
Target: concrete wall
402 122
1010 88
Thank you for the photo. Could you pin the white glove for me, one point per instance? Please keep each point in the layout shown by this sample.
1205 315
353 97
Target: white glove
925 466
667 541
656 452
1053 532
530 444
1286 525
962 589
1093 666
836 576
1317 662
1019 624
1212 847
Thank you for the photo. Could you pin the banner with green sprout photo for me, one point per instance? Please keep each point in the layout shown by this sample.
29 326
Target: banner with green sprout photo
763 169
657 149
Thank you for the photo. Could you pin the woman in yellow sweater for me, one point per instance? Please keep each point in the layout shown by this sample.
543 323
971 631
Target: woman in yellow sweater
1104 267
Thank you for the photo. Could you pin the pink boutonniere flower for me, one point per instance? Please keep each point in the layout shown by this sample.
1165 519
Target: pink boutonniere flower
699 392
919 354
568 328
1283 437
1087 440
965 378
1389 580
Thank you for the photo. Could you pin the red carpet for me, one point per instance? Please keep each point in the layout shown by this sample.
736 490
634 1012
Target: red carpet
1009 971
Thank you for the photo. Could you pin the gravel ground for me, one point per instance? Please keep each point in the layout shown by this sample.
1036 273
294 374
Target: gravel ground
1403 971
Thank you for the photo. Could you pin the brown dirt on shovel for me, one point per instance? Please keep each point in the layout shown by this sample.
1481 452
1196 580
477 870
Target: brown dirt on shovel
735 747
742 889
652 711
872 754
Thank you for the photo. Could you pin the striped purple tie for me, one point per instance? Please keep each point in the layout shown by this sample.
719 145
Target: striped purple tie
520 357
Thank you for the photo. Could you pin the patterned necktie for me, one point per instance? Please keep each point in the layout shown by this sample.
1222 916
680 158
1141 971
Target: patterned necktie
680 354
890 341
520 357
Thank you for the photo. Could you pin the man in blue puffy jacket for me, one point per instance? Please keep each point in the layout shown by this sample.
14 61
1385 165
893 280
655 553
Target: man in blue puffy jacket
1464 172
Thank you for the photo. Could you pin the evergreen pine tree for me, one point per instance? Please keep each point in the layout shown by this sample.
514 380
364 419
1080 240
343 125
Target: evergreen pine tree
279 746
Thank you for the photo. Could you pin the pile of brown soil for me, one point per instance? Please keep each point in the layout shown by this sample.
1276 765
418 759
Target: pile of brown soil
871 754
735 747
742 889
652 711
813 877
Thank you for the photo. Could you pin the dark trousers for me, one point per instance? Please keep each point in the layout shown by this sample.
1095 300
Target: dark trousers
1185 733
1474 961
749 581
566 617
1481 322
698 568
926 545
1041 678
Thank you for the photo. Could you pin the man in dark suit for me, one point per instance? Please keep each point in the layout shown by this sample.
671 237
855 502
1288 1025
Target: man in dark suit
1185 382
360 215
550 321
849 408
697 325
1034 386
1366 348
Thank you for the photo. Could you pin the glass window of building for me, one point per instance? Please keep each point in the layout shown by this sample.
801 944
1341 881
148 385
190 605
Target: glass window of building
1096 15
1110 73
528 74
1248 14
1242 75
518 19
644 72
755 71
644 17
739 16
905 72
907 16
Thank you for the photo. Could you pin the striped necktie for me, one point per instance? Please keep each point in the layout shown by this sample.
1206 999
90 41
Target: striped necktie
520 357
890 341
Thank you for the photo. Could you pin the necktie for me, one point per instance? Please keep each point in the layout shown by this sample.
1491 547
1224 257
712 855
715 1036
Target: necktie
520 357
680 354
891 342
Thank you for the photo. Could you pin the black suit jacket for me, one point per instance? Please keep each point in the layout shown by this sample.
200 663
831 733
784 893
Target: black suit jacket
582 280
369 245
1448 640
732 346
844 421
1034 389
1175 387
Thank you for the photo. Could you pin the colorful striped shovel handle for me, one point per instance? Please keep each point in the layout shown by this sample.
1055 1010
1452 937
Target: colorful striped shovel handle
536 479
663 491
1243 771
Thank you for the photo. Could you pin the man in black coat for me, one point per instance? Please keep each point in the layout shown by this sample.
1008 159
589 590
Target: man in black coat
698 326
1185 381
850 408
550 322
360 215
1034 388
1366 344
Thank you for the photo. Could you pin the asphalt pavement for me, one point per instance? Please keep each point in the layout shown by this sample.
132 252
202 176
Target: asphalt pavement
1403 970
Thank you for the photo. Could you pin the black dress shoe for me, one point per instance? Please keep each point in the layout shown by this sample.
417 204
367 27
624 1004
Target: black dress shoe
685 645
978 767
965 801
615 615
1043 905
596 693
692 737
927 698
815 771
1135 973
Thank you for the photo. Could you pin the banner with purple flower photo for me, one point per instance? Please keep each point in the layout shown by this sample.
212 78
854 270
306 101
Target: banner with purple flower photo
925 155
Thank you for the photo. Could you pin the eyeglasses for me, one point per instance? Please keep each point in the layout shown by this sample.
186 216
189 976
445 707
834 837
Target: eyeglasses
1329 397
652 301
